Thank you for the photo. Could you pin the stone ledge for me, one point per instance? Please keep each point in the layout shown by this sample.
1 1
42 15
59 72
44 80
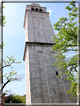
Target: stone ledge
43 43
38 43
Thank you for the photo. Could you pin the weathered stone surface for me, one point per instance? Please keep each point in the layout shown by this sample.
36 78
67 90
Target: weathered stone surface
42 84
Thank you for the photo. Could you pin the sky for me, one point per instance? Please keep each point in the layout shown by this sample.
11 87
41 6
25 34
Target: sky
14 37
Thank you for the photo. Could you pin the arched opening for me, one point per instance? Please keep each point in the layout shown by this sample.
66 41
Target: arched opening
41 10
32 8
36 9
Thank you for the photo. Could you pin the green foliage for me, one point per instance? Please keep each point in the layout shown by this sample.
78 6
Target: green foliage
2 18
9 62
66 42
73 89
12 75
2 45
15 99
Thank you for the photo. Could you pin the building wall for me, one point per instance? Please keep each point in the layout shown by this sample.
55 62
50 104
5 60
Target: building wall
45 87
42 84
38 27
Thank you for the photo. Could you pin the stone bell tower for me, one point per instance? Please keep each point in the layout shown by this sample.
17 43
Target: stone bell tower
42 84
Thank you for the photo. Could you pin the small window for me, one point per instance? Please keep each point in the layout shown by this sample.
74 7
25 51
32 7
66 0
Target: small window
36 9
41 10
56 73
32 8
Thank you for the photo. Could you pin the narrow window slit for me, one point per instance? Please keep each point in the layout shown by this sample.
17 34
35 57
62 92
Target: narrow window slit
56 73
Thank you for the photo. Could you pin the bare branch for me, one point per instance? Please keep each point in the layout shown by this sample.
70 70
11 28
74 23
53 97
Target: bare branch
5 84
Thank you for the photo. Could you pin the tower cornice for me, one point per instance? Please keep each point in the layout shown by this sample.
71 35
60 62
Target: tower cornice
32 43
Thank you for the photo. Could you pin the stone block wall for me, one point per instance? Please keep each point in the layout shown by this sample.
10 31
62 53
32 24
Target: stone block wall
45 87
38 27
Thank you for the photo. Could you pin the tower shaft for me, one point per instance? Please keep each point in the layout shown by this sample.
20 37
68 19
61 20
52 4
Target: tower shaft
42 84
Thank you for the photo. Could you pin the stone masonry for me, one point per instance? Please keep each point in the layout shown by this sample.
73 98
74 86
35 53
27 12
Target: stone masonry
42 84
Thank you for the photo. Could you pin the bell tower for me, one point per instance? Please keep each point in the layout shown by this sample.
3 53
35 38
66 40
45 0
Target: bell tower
42 84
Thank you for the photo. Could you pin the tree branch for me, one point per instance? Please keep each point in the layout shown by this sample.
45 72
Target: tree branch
71 50
7 65
71 45
5 84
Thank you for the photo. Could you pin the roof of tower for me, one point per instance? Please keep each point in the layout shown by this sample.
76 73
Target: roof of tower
33 4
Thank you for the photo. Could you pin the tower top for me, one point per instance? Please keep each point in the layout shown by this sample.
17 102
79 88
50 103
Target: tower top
34 8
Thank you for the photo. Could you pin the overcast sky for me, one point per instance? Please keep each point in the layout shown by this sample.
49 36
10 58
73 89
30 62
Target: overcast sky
14 36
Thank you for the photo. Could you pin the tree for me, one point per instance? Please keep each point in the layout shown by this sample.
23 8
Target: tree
15 99
12 75
66 42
